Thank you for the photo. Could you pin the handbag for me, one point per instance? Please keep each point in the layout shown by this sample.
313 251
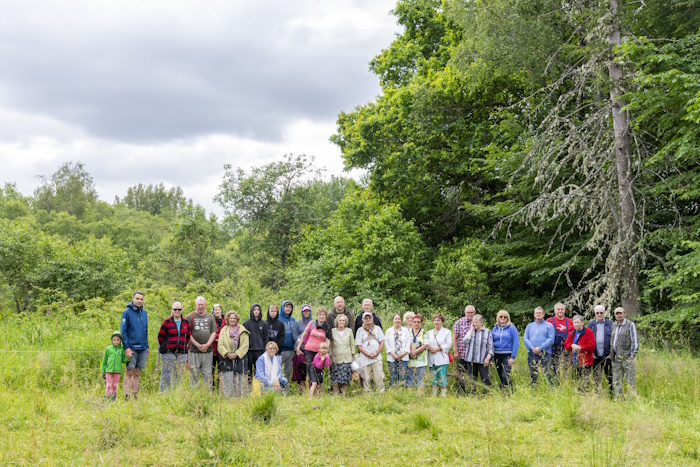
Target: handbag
450 356
306 337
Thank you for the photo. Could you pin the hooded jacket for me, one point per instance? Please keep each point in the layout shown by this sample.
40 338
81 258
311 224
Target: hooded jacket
299 326
258 330
288 321
134 328
276 331
113 357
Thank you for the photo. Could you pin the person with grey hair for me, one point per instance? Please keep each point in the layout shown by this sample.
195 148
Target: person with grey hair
580 344
203 333
367 307
479 352
538 340
459 330
623 349
173 339
601 327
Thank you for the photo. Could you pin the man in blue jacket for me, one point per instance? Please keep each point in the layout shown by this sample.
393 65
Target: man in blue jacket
287 319
538 339
134 329
602 330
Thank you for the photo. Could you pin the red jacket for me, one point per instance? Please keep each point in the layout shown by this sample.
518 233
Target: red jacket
587 343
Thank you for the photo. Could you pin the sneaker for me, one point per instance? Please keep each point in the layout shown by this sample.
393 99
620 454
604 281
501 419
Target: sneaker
135 397
126 397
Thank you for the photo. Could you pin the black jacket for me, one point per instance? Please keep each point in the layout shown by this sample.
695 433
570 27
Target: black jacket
258 329
276 331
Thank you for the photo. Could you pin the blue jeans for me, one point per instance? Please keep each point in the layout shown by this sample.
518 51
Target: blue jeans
397 372
415 376
538 364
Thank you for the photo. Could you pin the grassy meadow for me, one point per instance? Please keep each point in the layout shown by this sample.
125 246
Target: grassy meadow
52 413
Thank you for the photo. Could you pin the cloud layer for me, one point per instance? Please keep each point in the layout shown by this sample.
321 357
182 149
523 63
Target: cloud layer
170 91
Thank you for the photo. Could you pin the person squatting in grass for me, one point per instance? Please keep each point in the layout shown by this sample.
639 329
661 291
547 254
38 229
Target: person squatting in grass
134 330
439 344
233 350
398 344
370 343
505 347
112 366
342 355
417 356
479 342
173 339
268 369
316 333
202 337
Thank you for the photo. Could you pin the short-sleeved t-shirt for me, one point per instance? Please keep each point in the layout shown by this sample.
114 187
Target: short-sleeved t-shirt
202 329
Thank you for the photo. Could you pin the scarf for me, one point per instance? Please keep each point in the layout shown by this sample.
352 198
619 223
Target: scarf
577 334
272 367
234 335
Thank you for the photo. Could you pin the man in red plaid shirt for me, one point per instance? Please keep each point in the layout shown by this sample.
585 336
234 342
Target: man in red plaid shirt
461 328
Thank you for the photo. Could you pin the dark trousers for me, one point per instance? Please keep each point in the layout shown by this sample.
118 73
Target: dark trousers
503 369
603 365
539 364
253 356
478 370
461 373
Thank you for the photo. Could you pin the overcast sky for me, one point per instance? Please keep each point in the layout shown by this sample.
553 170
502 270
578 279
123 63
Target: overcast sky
150 92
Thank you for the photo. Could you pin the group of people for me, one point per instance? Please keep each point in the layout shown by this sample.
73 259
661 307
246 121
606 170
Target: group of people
271 353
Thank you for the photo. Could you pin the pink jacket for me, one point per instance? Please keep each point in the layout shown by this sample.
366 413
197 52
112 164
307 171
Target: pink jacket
321 364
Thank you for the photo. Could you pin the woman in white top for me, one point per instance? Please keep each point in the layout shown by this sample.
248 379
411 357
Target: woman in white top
397 344
439 344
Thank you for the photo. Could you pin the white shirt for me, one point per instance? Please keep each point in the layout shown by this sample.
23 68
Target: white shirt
442 339
390 343
370 342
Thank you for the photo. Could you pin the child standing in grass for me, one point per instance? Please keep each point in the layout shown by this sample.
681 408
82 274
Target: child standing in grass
111 368
322 360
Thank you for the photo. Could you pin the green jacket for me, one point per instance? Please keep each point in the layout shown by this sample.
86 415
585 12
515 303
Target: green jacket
113 358
225 344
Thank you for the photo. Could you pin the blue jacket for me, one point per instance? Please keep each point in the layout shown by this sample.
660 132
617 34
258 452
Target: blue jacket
539 335
134 328
608 336
506 339
288 322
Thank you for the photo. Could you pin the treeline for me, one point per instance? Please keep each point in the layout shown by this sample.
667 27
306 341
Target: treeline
520 154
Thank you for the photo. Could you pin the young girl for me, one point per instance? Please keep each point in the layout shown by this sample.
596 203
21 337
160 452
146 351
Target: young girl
321 360
112 365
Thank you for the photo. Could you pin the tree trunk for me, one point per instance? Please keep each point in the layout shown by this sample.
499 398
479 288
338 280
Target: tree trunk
628 231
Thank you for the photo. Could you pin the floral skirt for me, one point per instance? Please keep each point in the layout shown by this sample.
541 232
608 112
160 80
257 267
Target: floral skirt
341 373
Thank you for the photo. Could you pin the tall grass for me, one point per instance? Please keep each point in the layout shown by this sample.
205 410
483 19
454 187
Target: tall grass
52 413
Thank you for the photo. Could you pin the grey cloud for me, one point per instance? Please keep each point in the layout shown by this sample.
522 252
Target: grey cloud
159 81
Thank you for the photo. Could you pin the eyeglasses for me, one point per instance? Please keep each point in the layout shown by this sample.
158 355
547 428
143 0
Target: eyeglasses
599 313
177 309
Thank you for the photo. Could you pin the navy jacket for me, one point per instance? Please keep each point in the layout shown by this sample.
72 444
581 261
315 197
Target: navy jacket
134 328
608 336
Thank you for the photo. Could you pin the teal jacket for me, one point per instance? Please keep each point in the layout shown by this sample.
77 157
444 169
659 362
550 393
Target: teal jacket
113 358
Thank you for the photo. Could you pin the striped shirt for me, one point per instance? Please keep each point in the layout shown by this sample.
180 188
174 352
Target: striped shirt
478 346
461 328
